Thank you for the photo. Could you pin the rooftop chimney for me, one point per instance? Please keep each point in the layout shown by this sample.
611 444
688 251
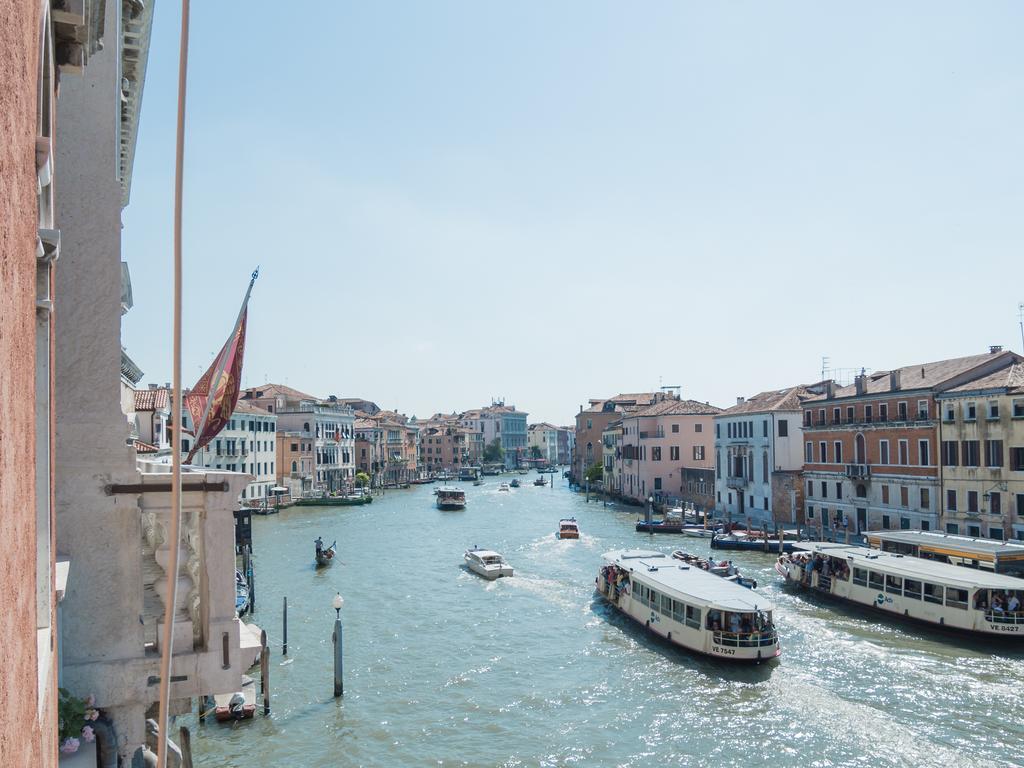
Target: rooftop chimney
861 383
995 349
739 401
894 381
830 390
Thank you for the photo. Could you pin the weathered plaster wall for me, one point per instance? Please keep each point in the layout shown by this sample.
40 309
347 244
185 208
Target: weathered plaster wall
27 726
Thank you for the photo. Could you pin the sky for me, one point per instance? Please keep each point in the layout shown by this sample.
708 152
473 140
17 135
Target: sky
451 202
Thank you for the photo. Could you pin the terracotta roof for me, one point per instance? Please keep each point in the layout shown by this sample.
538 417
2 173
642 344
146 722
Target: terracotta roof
789 399
275 390
923 375
362 423
622 401
673 407
152 399
1010 378
545 426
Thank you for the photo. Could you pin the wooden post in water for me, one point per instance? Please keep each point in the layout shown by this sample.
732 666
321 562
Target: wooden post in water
764 532
782 536
265 672
185 744
588 489
284 621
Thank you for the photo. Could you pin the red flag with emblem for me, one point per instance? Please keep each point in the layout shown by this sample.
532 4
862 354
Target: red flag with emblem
212 400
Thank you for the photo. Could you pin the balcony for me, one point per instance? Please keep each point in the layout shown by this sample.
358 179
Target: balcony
858 471
737 482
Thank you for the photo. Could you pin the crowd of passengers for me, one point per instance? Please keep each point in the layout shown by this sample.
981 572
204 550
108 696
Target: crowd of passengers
616 579
739 624
826 567
994 601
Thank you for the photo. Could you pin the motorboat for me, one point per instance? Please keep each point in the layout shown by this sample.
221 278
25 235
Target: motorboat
540 481
449 498
690 607
487 563
568 528
325 556
515 483
504 487
723 568
698 532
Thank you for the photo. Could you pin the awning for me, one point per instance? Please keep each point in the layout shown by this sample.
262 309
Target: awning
278 489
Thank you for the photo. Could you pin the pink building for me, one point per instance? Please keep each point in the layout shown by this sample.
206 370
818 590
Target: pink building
668 452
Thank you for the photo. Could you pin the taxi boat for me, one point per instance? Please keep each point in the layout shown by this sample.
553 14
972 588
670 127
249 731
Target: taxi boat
968 600
689 606
568 528
449 498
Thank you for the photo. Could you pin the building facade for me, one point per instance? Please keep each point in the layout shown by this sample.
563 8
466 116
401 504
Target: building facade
591 423
871 456
294 461
759 456
981 447
566 439
662 440
248 444
543 437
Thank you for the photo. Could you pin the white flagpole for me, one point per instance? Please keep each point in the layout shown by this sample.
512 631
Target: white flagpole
171 591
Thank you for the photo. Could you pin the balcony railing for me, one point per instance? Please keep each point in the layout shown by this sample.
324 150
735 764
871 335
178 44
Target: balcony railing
858 471
910 418
738 482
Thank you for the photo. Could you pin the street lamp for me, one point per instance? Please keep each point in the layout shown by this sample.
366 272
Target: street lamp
337 603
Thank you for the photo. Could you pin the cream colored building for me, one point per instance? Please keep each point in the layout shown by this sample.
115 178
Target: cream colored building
543 437
981 449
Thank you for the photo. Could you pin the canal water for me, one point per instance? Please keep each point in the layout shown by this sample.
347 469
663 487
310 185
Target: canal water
443 668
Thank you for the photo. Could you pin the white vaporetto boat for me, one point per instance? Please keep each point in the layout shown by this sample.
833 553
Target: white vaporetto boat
487 563
690 607
449 498
503 487
951 596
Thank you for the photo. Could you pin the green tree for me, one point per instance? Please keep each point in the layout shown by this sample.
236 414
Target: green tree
493 452
594 473
535 452
362 479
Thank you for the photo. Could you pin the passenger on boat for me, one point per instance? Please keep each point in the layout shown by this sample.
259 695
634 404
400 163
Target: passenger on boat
1013 604
319 545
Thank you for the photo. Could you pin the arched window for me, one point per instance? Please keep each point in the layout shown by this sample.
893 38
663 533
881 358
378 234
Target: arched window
305 426
294 467
862 492
590 454
860 450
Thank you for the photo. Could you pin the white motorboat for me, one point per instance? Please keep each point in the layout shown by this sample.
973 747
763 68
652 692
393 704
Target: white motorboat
698 531
487 563
503 487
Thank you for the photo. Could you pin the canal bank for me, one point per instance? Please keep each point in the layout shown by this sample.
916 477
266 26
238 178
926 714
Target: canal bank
444 668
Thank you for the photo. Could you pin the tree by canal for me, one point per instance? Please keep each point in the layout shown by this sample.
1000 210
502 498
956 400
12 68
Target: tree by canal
594 473
362 479
493 452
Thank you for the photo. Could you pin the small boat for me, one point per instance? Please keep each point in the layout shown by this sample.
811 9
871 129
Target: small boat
723 568
661 526
341 500
449 498
240 705
487 563
515 483
749 541
568 528
504 487
523 471
241 593
698 532
478 481
540 481
325 556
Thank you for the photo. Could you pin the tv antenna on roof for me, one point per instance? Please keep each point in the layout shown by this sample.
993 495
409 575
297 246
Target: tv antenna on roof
1020 318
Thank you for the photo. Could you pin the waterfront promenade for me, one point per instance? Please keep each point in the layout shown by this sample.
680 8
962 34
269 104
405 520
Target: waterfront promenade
443 668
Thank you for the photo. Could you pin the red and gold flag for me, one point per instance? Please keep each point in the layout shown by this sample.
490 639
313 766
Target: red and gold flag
212 400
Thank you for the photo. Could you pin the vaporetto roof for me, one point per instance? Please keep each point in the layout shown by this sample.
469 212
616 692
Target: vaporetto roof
686 583
911 567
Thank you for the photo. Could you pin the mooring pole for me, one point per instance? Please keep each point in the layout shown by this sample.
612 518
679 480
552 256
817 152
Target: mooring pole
284 641
339 687
265 672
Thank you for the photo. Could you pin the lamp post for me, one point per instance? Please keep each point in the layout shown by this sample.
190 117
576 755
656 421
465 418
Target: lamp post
650 502
339 688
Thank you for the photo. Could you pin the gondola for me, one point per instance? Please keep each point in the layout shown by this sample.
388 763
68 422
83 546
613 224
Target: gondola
325 556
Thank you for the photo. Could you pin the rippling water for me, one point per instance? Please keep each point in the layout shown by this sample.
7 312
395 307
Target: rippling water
444 668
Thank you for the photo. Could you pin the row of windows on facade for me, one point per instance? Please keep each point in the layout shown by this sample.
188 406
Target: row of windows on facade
257 491
640 452
751 503
866 414
330 430
258 468
963 453
973 530
860 452
741 466
741 429
230 446
993 498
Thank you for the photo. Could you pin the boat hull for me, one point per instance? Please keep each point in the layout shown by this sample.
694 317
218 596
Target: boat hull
334 501
751 546
451 506
491 574
643 527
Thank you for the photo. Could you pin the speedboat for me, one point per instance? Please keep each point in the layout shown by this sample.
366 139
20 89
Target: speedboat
723 568
487 563
515 483
698 531
504 487
540 481
568 528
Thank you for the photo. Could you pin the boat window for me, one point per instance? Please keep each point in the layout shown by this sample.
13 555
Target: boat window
932 593
860 576
666 605
912 589
956 598
714 619
652 599
693 617
874 580
894 585
678 611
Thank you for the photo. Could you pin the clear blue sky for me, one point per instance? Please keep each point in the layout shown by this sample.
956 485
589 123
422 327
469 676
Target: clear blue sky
557 201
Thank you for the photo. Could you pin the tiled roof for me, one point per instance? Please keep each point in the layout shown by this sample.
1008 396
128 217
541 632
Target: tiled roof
673 407
788 399
152 399
622 401
362 423
921 376
244 406
544 426
275 390
1011 378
